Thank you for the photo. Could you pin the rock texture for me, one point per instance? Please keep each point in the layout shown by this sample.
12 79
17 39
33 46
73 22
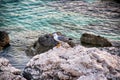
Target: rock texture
8 72
93 40
10 76
111 50
78 63
4 40
43 44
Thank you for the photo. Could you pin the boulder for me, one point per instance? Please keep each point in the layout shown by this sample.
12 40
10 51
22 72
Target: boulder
8 72
93 40
43 44
77 63
4 40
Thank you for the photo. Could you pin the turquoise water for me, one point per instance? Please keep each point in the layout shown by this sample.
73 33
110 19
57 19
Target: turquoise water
39 15
28 19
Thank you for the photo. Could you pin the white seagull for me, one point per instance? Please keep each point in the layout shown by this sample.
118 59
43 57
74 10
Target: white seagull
60 38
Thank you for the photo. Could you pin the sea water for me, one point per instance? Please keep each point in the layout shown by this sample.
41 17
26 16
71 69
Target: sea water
26 20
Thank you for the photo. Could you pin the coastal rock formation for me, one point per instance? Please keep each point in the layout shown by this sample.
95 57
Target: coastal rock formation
8 72
77 63
10 76
93 40
43 44
4 40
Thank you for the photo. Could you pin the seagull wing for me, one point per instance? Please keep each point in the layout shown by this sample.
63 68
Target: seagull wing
62 38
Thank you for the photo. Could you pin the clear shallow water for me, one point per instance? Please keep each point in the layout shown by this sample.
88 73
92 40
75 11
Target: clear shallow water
37 16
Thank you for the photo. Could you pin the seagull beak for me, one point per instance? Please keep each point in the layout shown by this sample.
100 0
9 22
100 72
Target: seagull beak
51 34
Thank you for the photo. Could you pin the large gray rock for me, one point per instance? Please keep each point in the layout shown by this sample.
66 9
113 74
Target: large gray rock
8 72
78 63
93 40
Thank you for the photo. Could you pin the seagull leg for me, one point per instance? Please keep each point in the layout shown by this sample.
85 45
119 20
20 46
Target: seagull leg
58 45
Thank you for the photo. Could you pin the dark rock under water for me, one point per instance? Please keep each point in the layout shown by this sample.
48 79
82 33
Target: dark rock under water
4 40
93 40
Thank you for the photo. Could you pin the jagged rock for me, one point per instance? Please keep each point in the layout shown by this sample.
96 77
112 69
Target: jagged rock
93 40
43 44
4 40
8 72
10 76
77 63
111 50
6 66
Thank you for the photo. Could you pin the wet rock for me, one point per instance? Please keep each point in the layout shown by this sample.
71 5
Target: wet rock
77 63
93 40
8 72
44 43
4 40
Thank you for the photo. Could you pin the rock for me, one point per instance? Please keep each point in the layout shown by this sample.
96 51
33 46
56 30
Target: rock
117 1
93 40
10 76
77 63
8 72
6 66
4 40
111 50
43 44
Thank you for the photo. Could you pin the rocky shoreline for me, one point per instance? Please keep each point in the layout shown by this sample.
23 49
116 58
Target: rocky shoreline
66 62
70 61
77 63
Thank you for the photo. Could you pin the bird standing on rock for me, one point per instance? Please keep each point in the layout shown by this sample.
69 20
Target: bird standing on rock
60 38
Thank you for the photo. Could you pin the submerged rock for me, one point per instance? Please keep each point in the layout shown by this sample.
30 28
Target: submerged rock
8 72
43 44
77 63
4 40
93 40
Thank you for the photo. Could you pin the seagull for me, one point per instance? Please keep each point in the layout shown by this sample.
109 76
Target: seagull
60 38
